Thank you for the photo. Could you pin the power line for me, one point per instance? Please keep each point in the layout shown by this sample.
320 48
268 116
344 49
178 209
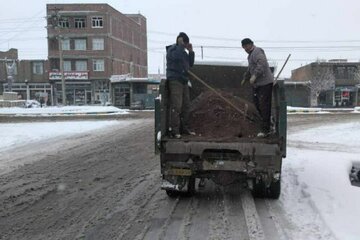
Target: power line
18 26
16 31
261 41
19 19
314 49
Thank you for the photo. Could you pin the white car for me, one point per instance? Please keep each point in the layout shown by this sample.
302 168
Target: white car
32 104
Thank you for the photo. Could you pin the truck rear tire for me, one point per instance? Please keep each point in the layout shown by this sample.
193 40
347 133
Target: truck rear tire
274 190
259 189
172 193
189 193
191 187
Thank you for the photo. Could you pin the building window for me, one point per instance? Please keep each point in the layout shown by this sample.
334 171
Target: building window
98 44
98 65
67 65
65 44
351 73
80 22
140 88
81 65
80 44
340 72
38 68
64 23
97 22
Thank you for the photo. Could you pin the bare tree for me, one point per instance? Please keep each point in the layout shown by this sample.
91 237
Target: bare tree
321 79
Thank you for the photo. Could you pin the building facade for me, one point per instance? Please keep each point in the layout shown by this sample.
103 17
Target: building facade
332 83
95 41
134 93
297 93
33 81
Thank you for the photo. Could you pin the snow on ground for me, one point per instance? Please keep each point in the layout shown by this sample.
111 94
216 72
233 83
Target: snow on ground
303 109
315 172
17 134
314 110
66 110
320 160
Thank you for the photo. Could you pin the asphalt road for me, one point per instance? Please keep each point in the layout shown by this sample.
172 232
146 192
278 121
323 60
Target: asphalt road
106 185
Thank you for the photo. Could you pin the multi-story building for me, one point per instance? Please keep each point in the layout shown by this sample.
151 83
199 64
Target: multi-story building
96 42
332 83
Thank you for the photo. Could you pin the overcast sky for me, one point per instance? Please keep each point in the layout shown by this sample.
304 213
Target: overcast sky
308 29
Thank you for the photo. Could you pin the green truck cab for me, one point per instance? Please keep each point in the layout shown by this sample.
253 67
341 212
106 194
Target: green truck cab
254 161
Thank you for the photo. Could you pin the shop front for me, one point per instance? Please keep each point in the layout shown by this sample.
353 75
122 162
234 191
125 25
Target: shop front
133 93
346 96
77 86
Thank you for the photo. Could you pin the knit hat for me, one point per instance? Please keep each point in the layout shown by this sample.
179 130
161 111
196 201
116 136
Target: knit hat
246 41
184 37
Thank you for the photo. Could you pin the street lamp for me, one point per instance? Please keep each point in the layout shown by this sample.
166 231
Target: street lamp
27 90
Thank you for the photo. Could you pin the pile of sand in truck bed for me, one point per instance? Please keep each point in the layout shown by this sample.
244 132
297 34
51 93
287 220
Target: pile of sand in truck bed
211 116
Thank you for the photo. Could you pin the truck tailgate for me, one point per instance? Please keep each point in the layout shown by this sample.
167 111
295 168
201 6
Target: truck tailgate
251 147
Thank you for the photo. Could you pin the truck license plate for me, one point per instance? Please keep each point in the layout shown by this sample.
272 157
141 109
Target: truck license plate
179 172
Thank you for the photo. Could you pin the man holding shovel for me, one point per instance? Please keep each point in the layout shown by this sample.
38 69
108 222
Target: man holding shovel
178 62
261 79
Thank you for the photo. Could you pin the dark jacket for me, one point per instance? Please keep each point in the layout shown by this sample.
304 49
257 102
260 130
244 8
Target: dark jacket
178 62
259 66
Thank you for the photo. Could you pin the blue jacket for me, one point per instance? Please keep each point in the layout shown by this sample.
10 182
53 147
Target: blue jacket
178 62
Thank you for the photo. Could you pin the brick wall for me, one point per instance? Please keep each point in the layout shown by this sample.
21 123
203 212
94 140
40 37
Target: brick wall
124 36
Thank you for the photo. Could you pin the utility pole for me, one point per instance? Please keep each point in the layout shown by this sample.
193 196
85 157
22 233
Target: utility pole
62 71
27 90
56 17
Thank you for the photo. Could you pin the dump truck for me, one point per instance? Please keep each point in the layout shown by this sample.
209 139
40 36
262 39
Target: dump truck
225 151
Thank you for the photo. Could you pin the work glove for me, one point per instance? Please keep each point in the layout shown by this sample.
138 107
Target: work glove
245 77
243 81
252 79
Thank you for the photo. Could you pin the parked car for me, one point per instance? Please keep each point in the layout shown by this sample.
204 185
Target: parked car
32 104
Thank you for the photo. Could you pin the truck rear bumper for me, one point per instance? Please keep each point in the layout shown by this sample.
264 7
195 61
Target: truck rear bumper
245 148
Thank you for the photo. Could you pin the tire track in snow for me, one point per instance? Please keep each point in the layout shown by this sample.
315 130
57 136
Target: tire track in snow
161 219
269 220
170 228
255 229
187 220
218 222
236 224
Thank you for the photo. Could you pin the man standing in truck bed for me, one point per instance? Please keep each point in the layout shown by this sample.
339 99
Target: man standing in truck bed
261 79
178 63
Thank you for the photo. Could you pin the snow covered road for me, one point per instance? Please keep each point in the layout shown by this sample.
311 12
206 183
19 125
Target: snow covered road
105 184
321 158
